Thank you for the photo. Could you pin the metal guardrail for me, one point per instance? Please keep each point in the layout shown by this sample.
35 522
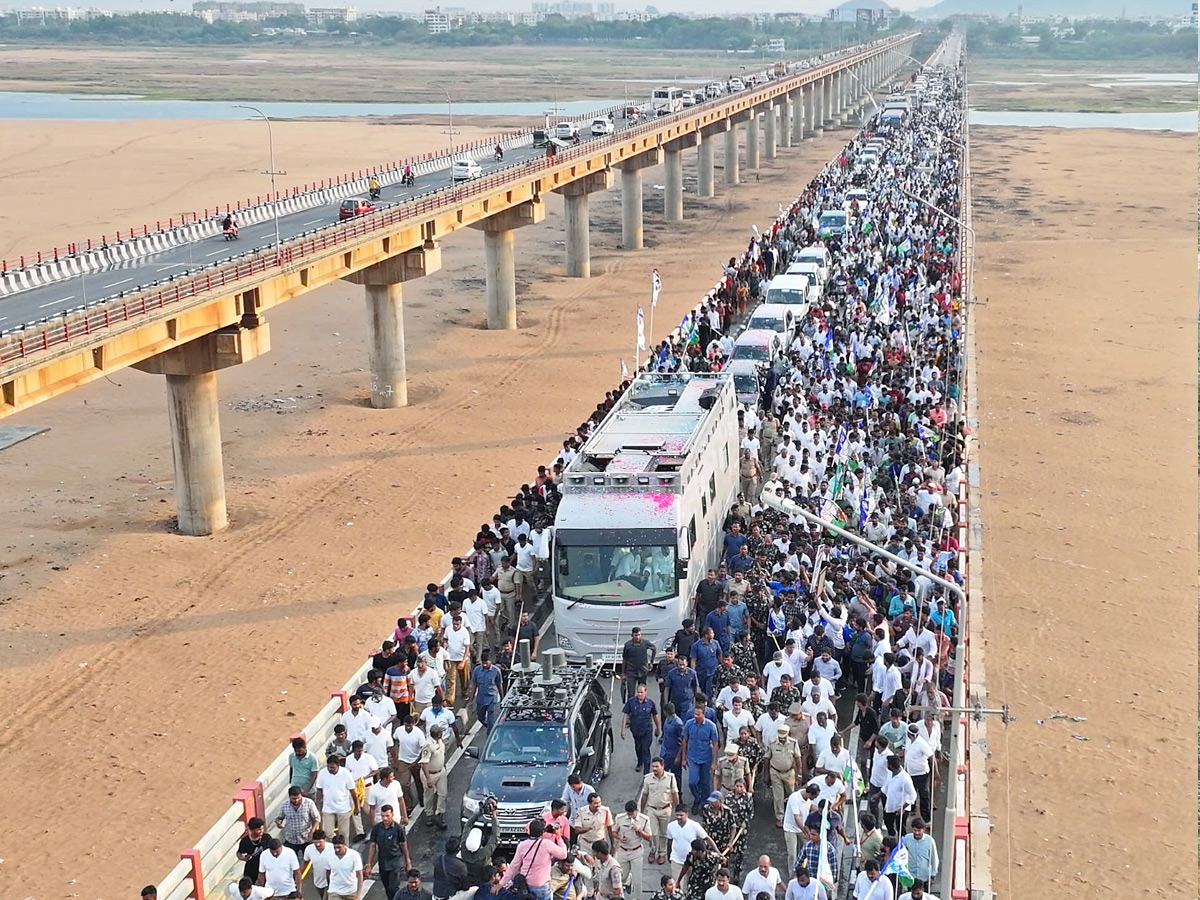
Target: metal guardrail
106 313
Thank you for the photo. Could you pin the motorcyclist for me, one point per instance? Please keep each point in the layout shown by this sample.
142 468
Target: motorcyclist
408 175
373 186
229 224
499 152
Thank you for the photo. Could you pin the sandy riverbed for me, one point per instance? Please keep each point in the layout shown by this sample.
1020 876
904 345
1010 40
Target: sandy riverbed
162 667
1087 438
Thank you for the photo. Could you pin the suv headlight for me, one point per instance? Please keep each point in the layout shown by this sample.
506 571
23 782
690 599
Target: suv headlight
564 641
470 806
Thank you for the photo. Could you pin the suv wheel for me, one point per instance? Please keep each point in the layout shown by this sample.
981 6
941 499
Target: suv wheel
605 763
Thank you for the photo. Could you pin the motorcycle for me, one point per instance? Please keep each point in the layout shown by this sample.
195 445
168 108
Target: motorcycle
231 232
375 193
499 155
408 179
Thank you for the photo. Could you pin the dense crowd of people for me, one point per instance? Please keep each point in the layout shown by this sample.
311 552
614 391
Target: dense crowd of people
859 423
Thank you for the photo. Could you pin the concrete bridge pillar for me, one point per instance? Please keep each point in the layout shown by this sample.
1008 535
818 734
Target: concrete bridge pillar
771 132
752 129
193 412
673 181
706 158
578 220
498 242
820 106
384 283
631 197
840 101
731 156
786 113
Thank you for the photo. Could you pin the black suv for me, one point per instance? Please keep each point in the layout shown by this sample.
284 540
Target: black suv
555 721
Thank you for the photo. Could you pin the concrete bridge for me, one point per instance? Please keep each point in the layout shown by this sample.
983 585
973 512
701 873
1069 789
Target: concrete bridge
201 322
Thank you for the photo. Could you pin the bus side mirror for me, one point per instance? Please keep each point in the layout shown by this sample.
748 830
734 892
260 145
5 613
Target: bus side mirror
681 569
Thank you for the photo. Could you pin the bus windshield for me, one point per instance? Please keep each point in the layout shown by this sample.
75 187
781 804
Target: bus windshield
615 575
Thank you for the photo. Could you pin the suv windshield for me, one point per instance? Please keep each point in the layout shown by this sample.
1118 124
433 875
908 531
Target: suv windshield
615 575
791 296
527 742
766 322
756 352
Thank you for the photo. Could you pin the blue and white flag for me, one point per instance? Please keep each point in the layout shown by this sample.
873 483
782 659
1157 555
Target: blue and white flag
655 288
624 371
839 449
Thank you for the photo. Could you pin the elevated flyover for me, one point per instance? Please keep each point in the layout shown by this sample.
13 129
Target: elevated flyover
196 323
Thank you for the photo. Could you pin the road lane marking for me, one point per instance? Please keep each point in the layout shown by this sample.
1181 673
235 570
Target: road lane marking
115 283
56 302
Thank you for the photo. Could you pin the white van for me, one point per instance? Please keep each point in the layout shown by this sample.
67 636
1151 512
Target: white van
818 254
799 289
778 317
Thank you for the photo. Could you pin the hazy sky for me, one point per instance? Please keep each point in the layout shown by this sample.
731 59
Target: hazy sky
814 7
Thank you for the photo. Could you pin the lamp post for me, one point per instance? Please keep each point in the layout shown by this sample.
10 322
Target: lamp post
870 94
450 131
271 171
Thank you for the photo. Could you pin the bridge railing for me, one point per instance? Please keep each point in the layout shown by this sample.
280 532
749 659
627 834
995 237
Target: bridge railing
104 314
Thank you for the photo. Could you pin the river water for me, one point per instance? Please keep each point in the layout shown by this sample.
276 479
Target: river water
115 107
1141 121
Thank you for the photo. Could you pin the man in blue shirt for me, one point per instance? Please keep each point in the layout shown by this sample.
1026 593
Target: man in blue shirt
699 754
719 622
706 654
734 541
682 684
942 615
640 717
672 740
742 561
487 687
738 616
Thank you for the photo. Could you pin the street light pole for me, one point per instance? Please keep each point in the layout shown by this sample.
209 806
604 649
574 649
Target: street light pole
271 171
450 127
940 211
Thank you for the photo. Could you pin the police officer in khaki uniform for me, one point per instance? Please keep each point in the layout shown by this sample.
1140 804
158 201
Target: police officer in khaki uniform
607 873
783 762
732 769
658 798
433 773
631 832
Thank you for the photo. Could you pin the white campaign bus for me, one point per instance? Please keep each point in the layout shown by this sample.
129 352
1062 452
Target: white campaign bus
639 523
666 100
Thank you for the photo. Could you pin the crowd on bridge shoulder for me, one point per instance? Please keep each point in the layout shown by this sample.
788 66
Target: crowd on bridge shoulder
859 423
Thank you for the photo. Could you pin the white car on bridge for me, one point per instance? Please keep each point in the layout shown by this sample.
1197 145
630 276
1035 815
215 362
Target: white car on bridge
602 126
465 169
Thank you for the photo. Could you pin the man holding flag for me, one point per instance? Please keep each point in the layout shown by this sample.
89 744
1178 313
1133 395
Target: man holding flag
871 884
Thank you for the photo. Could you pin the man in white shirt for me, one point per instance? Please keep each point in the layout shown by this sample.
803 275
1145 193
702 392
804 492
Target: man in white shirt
918 763
763 880
834 760
830 788
279 870
898 795
425 684
737 716
410 741
816 703
526 576
457 640
246 889
723 890
357 720
768 724
336 797
681 833
475 612
799 804
345 872
871 884
774 671
821 733
382 708
386 791
319 854
805 887
816 684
